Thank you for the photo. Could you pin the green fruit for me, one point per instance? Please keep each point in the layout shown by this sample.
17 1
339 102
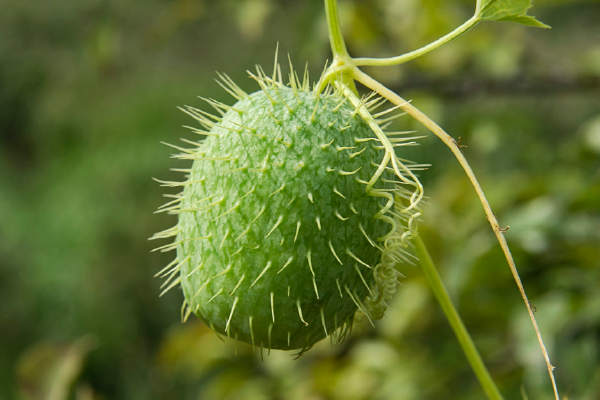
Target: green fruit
280 240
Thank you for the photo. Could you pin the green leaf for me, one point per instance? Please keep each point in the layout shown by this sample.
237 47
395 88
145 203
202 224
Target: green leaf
510 10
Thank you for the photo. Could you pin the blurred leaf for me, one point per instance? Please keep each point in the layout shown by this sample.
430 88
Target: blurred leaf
512 11
48 371
534 222
252 17
591 134
191 350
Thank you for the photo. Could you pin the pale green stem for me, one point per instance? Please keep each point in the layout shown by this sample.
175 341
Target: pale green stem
423 50
349 71
498 231
442 296
338 47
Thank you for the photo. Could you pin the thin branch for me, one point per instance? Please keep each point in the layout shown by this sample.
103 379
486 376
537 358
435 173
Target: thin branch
498 231
442 296
338 47
470 23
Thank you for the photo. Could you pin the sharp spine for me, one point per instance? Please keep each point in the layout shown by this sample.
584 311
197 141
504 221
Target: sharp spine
297 230
300 312
216 294
231 314
279 220
194 270
334 254
273 306
238 285
357 259
262 273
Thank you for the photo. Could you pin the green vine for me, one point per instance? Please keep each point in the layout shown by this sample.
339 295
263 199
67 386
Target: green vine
344 69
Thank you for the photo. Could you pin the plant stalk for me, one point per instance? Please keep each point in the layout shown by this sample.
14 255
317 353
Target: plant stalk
442 296
338 46
349 72
498 231
423 50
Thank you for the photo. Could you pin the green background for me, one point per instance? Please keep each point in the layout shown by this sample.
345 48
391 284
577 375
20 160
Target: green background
88 89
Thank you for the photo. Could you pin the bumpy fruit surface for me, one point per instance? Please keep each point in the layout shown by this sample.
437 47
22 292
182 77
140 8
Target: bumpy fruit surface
277 236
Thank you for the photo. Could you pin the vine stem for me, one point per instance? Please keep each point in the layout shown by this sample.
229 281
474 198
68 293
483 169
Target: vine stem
349 69
499 232
442 296
470 23
338 46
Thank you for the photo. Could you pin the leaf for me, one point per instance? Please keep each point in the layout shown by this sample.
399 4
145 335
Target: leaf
510 10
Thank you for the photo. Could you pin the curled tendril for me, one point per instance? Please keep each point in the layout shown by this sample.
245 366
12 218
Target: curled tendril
401 217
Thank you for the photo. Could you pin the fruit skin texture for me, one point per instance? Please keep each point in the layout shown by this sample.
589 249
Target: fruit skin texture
277 235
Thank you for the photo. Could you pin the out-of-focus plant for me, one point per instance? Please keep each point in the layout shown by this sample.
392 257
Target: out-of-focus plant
84 85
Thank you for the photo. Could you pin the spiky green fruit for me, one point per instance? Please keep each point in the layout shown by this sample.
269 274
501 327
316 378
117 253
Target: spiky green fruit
284 219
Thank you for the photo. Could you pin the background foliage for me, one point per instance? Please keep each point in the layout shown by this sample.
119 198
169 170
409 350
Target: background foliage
88 88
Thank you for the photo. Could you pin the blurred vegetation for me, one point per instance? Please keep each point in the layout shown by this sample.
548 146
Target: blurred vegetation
88 88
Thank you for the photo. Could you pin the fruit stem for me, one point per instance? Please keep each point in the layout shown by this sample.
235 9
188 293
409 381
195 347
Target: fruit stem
341 58
338 46
442 296
498 231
